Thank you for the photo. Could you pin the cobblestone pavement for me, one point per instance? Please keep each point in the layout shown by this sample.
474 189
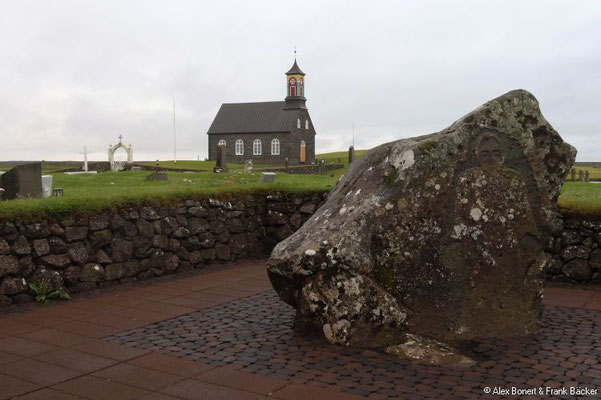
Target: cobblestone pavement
228 315
255 335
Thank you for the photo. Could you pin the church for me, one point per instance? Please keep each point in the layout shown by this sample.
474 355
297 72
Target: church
267 132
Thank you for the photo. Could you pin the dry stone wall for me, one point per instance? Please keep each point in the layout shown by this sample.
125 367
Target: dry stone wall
81 253
87 252
576 251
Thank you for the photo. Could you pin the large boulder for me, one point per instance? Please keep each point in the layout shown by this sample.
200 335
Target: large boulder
439 236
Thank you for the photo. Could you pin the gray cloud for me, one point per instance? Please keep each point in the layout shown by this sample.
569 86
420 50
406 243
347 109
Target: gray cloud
78 73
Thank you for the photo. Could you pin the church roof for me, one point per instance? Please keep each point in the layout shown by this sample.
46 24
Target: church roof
295 69
261 117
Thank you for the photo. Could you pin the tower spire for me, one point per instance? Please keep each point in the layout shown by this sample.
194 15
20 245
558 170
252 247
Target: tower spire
295 86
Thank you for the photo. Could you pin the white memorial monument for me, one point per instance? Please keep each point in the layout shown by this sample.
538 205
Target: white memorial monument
116 166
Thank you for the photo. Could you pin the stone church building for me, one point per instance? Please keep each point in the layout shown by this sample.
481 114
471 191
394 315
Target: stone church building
267 132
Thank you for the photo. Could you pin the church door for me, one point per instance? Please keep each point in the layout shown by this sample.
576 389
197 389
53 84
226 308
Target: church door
303 151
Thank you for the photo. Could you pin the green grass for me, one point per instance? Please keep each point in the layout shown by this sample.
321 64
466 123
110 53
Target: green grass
339 155
99 191
48 167
85 193
198 165
332 158
583 198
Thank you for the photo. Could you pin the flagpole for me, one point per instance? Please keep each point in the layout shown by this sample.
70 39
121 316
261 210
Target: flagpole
174 143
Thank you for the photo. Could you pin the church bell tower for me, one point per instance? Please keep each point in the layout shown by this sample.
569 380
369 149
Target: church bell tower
295 88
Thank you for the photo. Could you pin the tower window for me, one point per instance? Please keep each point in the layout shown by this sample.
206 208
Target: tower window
298 123
257 148
306 124
275 147
292 87
239 147
222 143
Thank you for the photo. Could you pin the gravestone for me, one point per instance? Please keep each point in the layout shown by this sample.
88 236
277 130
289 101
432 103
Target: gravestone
248 166
573 174
157 176
221 164
587 176
351 154
22 181
267 177
322 167
46 186
440 236
581 175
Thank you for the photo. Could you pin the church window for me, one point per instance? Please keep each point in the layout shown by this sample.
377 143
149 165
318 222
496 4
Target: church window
298 124
239 147
292 87
306 124
275 147
222 143
257 148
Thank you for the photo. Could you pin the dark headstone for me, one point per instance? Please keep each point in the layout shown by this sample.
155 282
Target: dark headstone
581 175
22 181
573 174
157 176
267 177
440 236
351 154
221 164
587 176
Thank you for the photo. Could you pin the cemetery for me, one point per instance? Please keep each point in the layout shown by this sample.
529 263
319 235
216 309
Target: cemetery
399 219
394 270
370 274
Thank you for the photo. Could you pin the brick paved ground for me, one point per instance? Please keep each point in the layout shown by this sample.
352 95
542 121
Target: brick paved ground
224 335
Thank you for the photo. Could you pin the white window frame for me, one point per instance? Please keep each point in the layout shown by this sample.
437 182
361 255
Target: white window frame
222 142
275 147
257 147
298 123
239 147
306 124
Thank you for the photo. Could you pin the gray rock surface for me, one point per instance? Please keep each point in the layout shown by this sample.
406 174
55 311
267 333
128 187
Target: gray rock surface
439 236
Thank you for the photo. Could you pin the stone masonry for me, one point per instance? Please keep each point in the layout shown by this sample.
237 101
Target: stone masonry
81 253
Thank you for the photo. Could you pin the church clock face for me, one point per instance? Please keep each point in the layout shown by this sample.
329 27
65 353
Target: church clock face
293 81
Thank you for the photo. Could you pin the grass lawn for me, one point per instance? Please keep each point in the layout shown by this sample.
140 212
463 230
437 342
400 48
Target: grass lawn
208 165
48 167
198 165
94 192
581 198
342 155
98 191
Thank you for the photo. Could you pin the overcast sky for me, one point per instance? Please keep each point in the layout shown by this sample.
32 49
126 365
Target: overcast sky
83 72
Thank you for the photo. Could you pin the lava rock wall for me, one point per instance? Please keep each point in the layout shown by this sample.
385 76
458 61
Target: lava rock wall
80 253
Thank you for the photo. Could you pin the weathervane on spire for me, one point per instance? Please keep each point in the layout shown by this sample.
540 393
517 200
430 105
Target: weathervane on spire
295 53
120 137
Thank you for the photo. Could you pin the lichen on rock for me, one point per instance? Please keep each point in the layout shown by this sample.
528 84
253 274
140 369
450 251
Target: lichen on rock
440 236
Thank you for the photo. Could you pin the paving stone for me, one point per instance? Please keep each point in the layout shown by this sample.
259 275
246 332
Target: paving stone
254 336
